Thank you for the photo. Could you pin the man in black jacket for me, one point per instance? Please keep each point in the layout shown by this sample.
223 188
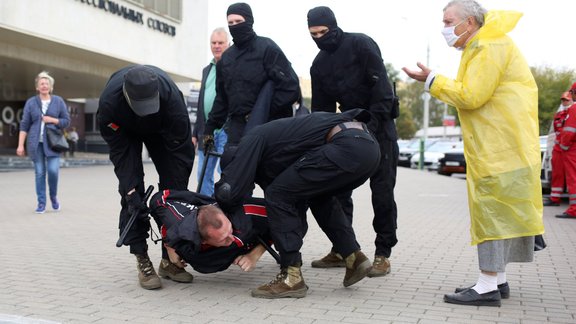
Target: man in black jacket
349 71
300 162
141 105
196 231
218 44
242 73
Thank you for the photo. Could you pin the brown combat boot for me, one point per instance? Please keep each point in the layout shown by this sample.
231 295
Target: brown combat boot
380 267
169 270
357 267
146 273
287 284
331 260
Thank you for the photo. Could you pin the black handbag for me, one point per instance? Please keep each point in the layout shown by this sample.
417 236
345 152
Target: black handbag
56 140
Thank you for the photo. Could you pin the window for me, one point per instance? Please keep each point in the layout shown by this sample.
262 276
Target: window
167 8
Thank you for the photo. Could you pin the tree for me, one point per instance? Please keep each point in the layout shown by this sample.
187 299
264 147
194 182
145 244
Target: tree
551 84
410 94
392 73
405 125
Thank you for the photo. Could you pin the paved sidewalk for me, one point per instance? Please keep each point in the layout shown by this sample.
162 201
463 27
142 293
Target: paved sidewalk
64 267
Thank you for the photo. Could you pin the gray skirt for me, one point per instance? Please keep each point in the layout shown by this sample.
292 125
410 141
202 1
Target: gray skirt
493 256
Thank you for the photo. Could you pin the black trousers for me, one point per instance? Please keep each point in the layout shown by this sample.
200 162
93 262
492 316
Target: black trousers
174 166
341 165
382 184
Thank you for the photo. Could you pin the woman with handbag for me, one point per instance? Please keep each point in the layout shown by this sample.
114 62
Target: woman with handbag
40 112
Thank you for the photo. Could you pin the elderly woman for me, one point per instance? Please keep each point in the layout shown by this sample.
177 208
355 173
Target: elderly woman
40 111
497 102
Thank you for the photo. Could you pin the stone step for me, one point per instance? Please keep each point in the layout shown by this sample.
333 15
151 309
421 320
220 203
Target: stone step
8 163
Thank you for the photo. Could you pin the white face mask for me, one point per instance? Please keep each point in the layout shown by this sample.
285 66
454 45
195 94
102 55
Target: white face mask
450 35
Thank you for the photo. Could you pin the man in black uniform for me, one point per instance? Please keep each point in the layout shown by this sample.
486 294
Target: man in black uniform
141 105
300 161
241 74
349 71
196 231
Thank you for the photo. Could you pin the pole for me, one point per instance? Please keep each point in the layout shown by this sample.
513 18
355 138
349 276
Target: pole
444 119
426 99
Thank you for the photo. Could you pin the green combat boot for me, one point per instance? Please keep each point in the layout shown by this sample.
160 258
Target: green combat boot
357 267
380 267
146 273
331 260
169 270
287 284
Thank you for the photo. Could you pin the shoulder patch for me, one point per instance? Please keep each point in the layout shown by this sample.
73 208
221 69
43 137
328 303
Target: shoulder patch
113 126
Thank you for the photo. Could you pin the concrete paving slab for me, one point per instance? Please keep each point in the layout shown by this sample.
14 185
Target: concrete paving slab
64 267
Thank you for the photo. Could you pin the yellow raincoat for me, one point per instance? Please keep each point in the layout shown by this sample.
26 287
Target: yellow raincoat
497 101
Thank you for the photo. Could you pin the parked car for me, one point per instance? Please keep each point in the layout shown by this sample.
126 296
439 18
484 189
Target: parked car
546 145
452 162
434 153
413 147
403 143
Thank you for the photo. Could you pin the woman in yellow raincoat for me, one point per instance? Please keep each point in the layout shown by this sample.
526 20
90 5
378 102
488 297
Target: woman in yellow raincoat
497 102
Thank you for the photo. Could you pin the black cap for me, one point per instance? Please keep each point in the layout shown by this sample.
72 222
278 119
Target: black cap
242 9
141 90
322 16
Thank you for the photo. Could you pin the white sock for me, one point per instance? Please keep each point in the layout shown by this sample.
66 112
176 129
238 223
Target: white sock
486 283
501 278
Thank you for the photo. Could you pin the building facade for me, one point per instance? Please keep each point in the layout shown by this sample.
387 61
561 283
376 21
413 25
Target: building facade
82 42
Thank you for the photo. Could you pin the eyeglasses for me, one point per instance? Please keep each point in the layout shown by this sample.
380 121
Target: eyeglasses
564 99
572 91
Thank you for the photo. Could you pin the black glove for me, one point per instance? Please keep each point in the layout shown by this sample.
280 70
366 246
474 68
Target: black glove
208 143
135 204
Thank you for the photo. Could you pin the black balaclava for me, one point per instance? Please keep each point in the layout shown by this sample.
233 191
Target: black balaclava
241 33
323 16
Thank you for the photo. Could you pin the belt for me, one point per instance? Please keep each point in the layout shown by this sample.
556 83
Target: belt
342 126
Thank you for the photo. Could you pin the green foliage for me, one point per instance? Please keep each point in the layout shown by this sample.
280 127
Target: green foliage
392 73
412 104
551 84
405 125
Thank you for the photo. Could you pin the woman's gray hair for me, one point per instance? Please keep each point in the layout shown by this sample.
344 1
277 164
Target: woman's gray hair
44 75
469 8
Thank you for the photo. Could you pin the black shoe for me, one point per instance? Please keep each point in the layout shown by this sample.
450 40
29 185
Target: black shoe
550 203
503 288
564 215
471 297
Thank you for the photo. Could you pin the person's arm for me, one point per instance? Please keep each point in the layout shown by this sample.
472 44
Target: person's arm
174 257
482 76
25 124
247 262
63 116
568 135
237 179
200 123
381 94
20 151
286 83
